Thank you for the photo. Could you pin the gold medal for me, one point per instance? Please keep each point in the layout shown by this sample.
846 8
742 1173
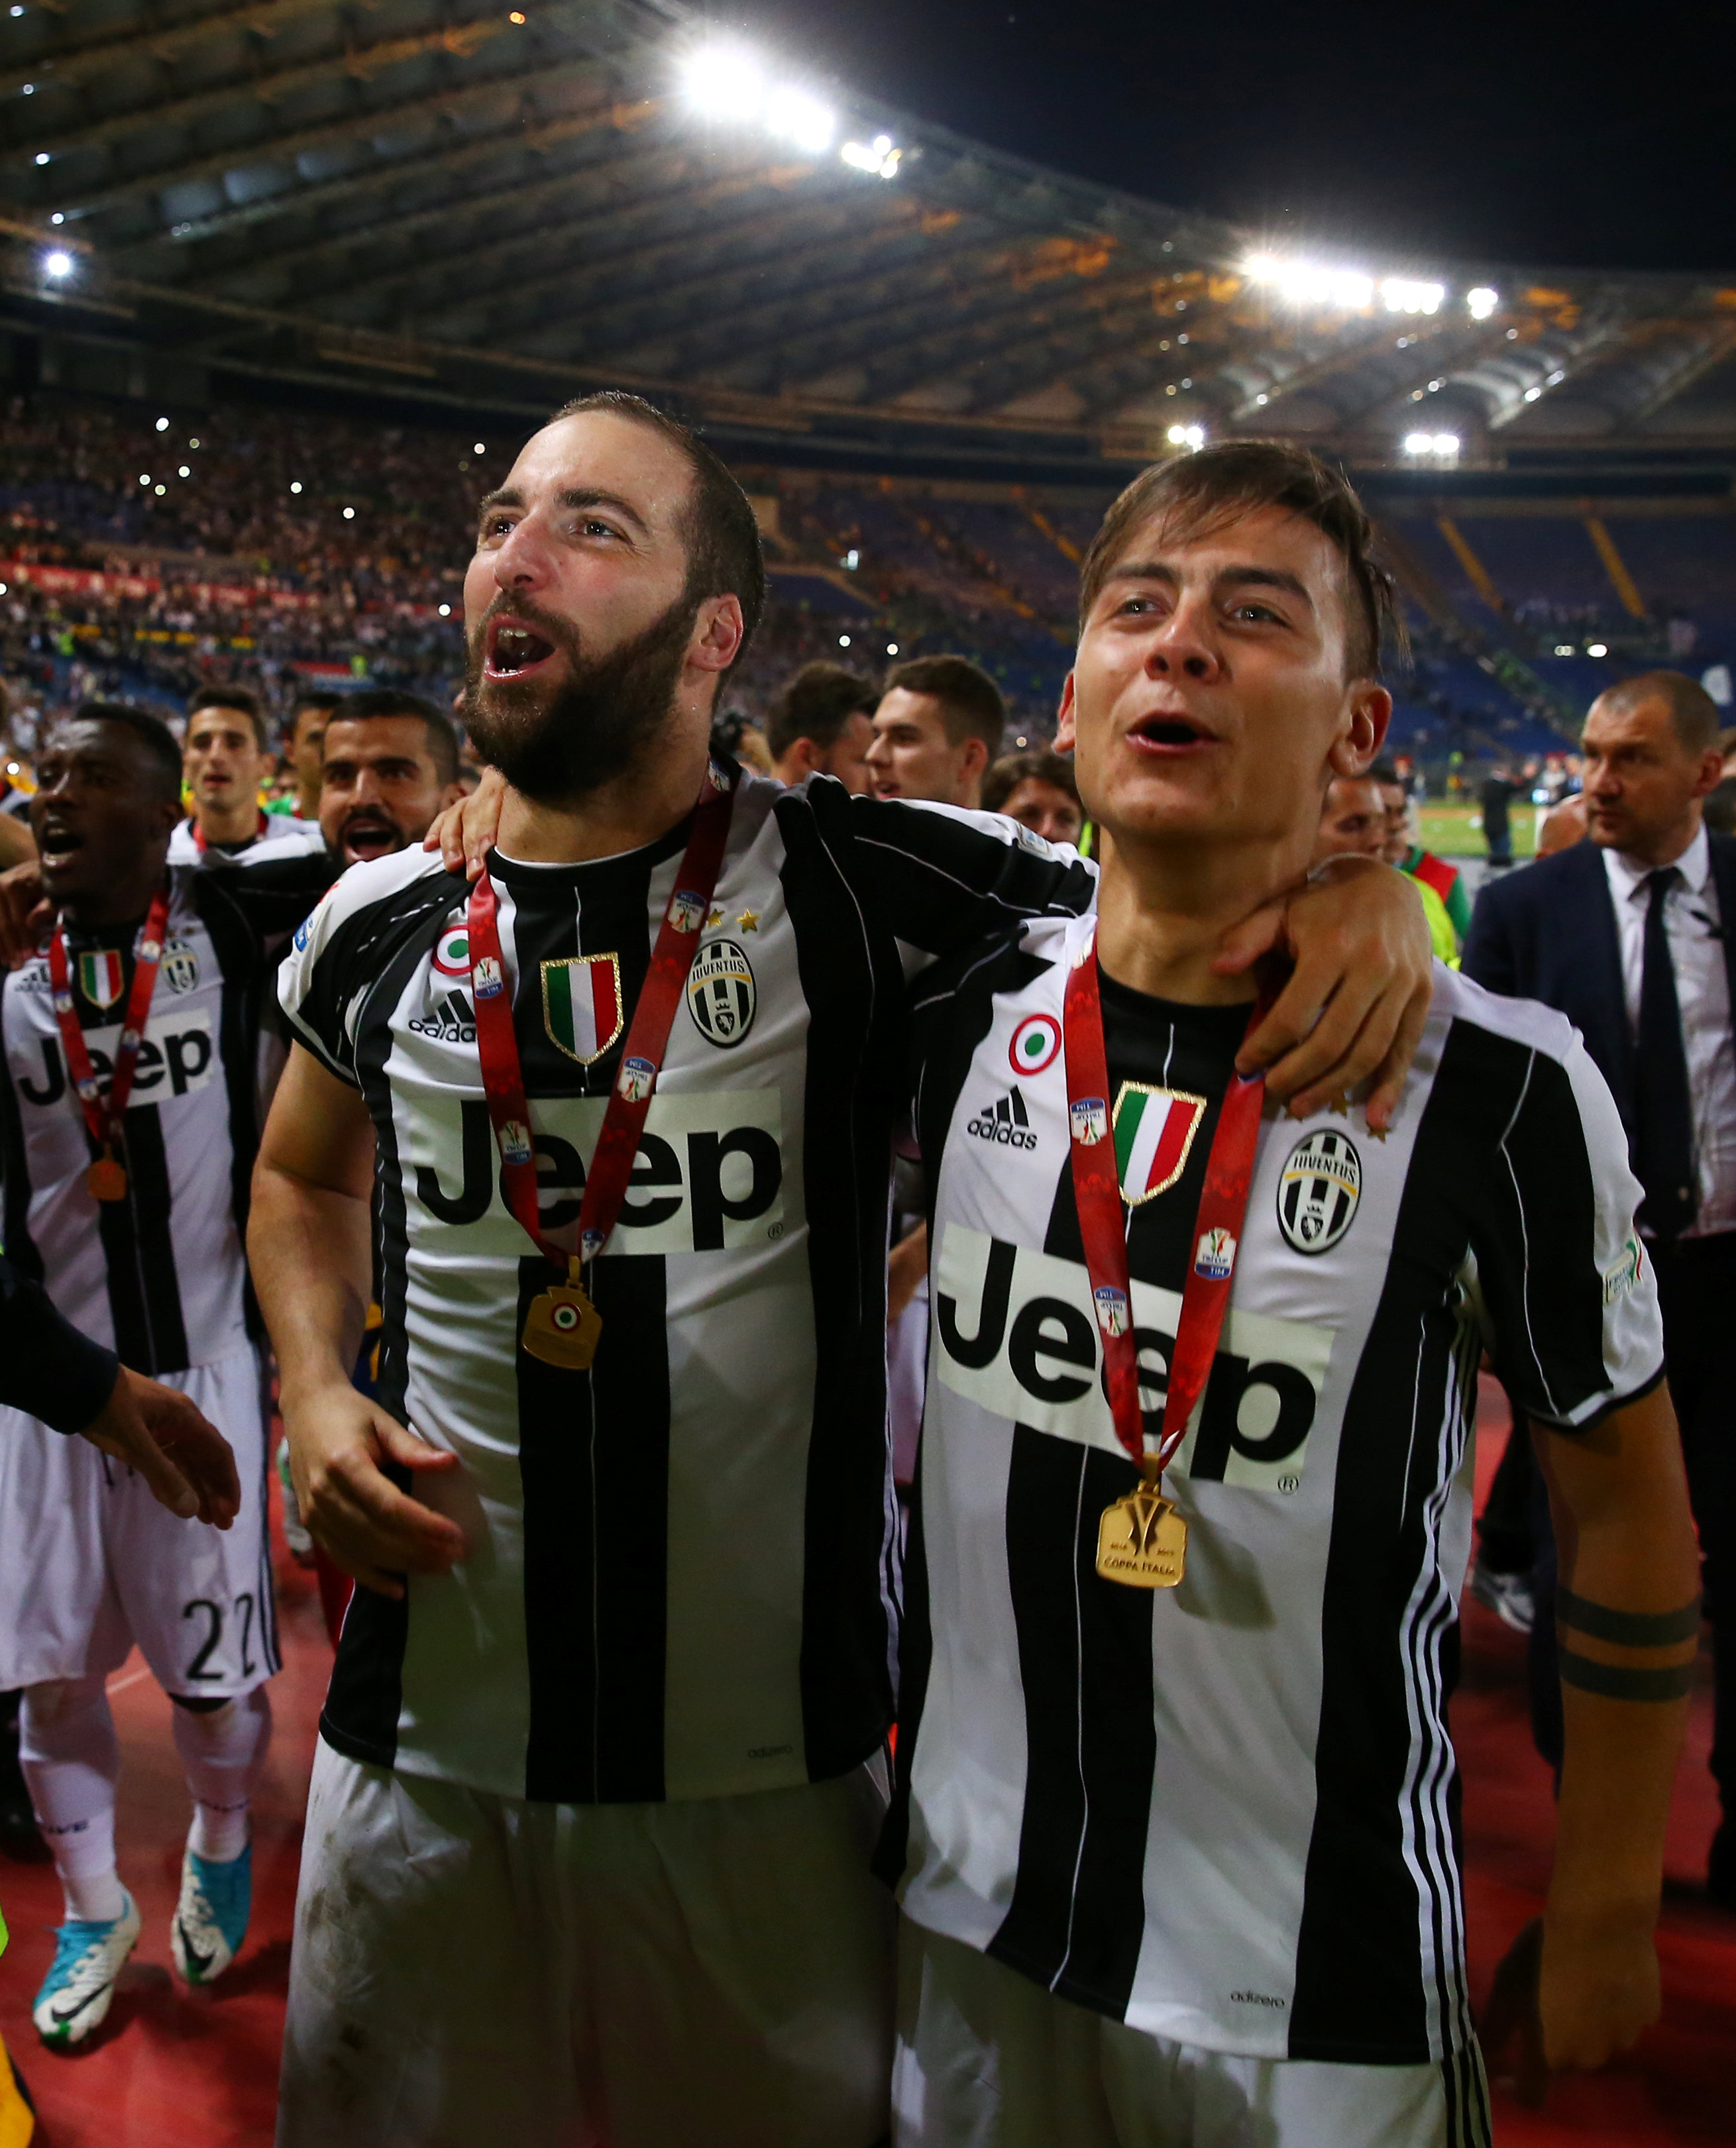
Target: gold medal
106 1180
562 1327
1142 1540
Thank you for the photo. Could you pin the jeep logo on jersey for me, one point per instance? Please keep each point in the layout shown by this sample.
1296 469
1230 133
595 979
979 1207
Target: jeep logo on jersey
720 995
1018 1335
1154 1130
1004 1122
582 1005
180 970
709 1174
1318 1191
177 1058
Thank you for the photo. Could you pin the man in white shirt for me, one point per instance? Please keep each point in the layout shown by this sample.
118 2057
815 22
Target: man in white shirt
1626 934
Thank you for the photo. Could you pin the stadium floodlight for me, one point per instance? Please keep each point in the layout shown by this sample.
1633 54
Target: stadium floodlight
1401 294
1532 393
793 116
445 611
1564 649
183 471
722 82
843 641
163 424
1303 284
1187 436
350 515
296 486
57 266
852 559
1596 649
42 156
1481 302
480 449
56 217
880 156
891 649
1442 447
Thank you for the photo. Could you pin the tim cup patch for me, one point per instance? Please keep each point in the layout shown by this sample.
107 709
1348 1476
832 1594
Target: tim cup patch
1621 1277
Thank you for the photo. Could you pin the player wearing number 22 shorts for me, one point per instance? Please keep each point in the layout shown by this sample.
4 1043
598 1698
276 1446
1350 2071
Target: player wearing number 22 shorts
128 1116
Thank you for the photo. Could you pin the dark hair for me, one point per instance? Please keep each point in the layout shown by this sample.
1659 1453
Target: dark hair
971 703
394 702
1193 494
157 738
817 704
1013 769
1693 712
1383 771
236 698
724 555
314 697
1718 807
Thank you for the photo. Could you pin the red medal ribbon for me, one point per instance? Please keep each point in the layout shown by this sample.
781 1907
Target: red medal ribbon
630 1100
1103 1230
104 1116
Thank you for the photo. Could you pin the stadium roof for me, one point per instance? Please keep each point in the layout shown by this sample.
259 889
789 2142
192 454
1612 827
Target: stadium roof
497 207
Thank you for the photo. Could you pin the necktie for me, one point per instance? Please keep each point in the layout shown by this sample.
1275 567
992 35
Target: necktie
1664 1157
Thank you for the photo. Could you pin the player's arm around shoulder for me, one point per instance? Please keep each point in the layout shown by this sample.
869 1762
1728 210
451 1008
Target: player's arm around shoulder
308 1245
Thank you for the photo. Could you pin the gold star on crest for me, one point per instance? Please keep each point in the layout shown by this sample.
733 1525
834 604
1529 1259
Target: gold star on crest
714 920
748 920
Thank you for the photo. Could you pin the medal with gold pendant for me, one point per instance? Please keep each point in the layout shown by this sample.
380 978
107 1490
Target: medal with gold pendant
562 1326
1142 1538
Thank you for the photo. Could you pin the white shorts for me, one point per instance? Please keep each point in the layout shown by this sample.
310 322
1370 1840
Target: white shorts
90 1564
715 1973
986 2058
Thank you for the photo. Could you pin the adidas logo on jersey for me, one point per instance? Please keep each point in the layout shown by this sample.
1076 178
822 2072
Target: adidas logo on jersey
1005 1122
1017 1336
453 1021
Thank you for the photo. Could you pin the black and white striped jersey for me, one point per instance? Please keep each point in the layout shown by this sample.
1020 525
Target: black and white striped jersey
1226 1813
680 1582
158 1276
286 835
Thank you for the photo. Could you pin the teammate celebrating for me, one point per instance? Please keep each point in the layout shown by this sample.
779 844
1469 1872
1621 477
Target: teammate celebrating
390 766
936 730
822 723
1176 1813
128 1119
607 1701
225 761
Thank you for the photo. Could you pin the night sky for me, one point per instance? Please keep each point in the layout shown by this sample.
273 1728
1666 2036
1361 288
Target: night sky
1531 134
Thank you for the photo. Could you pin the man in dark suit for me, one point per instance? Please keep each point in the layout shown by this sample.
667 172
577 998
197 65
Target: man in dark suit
1632 934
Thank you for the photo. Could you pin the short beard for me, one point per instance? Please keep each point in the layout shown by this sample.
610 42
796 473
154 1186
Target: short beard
560 745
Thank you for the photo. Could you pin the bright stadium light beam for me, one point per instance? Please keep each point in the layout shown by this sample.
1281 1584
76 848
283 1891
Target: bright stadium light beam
1402 294
794 116
722 82
57 265
1306 283
1187 436
1481 302
881 156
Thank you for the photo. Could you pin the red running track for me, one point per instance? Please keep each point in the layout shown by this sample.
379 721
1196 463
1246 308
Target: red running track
173 2067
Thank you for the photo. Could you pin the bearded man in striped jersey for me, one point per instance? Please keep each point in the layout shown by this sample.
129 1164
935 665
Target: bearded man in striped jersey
588 1850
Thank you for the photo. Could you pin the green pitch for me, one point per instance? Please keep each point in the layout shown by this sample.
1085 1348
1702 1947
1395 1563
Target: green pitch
1449 832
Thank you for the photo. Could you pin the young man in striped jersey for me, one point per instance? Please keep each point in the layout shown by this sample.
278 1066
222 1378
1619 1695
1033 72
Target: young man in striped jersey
1175 1824
128 1052
587 1854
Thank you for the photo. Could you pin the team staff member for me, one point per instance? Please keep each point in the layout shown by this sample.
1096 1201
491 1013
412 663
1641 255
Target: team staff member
1443 878
1630 935
1178 1855
390 765
1355 821
225 763
1037 791
822 723
126 1167
619 1709
936 729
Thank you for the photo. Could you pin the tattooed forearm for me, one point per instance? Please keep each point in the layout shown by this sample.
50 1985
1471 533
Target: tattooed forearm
1628 1629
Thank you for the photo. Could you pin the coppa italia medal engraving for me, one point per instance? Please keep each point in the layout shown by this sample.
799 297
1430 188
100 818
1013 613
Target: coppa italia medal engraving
1142 1540
562 1327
